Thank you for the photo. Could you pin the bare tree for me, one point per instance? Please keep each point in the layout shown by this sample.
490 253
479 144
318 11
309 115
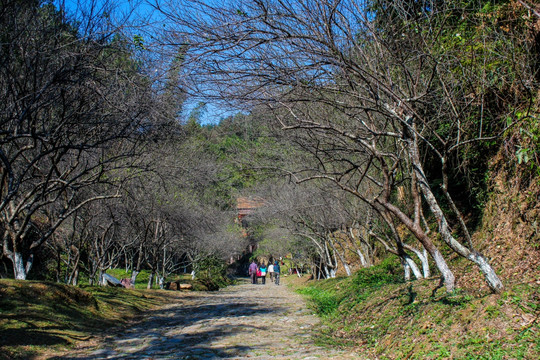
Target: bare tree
67 121
369 100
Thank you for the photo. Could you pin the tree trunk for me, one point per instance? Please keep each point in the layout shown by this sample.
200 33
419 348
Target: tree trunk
423 256
100 277
136 268
413 266
341 258
332 273
492 279
92 275
425 264
18 266
400 247
363 260
448 277
29 264
406 270
134 274
72 279
330 270
58 265
126 263
406 261
75 278
150 280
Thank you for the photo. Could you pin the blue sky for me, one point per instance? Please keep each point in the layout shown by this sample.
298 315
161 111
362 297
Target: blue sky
134 15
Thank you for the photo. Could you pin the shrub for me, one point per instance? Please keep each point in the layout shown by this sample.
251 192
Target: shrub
387 272
211 272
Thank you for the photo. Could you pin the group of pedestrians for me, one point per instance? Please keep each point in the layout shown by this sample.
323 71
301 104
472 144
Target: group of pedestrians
257 271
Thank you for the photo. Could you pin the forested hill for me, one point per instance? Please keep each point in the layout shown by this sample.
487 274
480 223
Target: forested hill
368 131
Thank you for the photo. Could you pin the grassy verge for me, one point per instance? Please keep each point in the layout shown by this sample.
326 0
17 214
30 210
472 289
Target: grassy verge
204 282
40 317
385 318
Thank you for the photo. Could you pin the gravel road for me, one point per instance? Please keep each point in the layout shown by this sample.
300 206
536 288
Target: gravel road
242 321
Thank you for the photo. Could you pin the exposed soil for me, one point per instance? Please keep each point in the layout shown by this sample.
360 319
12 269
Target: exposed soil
243 321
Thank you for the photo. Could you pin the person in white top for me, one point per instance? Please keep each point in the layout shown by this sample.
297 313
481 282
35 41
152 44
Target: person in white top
271 271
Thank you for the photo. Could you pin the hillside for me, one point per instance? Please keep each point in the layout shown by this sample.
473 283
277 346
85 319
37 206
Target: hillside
376 310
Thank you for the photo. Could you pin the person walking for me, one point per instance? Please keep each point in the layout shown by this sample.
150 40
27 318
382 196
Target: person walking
253 272
271 271
277 271
263 269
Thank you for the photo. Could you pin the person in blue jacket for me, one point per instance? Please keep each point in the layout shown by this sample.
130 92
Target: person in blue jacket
263 269
277 271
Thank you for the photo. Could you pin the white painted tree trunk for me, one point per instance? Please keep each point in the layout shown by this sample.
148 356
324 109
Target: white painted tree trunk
332 273
406 270
29 263
75 279
423 257
341 258
326 272
425 264
18 266
447 274
134 274
492 279
347 268
363 260
150 280
414 267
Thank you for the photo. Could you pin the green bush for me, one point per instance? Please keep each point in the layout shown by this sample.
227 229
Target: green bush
211 272
387 272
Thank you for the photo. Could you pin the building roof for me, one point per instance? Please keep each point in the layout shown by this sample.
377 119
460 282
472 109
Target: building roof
246 205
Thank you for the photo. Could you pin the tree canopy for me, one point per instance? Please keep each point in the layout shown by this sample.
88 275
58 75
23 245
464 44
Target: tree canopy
366 127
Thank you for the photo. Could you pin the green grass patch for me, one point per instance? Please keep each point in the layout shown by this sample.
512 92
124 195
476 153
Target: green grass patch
38 317
374 310
324 301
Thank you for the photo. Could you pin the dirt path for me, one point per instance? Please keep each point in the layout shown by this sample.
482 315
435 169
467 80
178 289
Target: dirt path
240 322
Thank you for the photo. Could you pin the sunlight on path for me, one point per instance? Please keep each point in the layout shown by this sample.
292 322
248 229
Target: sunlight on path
240 322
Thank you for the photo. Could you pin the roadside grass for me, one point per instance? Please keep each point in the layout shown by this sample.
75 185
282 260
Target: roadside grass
43 317
199 284
380 315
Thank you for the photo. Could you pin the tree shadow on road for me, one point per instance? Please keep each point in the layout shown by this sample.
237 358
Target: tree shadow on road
184 332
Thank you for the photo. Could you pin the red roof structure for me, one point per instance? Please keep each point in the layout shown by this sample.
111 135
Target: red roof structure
246 205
